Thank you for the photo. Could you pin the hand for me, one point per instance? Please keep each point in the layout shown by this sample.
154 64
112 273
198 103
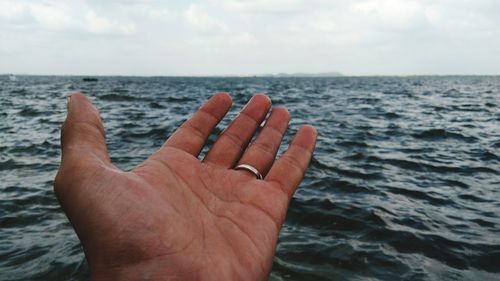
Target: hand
175 217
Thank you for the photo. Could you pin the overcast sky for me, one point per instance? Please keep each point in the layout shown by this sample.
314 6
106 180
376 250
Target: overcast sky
240 37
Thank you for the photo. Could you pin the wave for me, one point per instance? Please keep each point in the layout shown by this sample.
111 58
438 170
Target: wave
451 93
340 185
322 214
441 134
179 99
352 143
142 133
29 112
156 105
427 167
403 183
391 115
456 254
431 197
119 97
345 172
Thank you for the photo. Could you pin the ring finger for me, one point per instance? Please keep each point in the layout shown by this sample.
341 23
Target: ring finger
261 153
230 145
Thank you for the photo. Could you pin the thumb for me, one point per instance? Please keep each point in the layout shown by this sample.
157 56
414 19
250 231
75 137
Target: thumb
82 134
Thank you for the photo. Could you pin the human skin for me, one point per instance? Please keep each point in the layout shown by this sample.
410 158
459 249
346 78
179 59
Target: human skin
175 217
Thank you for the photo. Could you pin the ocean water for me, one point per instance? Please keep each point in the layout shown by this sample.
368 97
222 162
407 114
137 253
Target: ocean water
404 184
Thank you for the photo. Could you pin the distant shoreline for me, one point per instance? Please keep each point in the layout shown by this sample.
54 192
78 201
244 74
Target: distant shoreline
298 75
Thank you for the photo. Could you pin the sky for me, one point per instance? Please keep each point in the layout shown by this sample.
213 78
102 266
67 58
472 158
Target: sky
249 37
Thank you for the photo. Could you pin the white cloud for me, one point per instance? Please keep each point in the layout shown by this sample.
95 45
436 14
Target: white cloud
50 16
396 13
433 15
323 24
262 6
200 20
97 24
250 36
161 14
246 38
61 16
11 10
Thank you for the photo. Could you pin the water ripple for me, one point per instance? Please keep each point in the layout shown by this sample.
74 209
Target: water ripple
404 184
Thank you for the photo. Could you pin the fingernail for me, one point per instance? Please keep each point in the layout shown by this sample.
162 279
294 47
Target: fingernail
67 102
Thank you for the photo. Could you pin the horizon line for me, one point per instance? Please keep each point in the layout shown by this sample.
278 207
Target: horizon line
278 75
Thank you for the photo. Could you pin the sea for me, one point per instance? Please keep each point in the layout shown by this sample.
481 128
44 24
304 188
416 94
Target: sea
404 183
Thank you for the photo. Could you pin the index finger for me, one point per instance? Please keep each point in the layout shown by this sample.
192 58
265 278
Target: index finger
288 171
192 135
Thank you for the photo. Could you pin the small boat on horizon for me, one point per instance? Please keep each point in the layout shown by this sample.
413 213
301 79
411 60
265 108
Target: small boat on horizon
12 77
90 79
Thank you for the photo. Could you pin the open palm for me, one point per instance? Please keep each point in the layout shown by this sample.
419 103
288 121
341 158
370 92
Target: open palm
175 217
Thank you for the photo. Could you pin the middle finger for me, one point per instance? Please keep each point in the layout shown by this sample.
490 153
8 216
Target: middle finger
230 145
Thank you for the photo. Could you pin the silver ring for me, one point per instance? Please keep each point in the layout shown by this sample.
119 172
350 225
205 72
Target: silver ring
251 169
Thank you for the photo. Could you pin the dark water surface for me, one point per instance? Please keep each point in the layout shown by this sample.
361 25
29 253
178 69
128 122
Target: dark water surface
404 185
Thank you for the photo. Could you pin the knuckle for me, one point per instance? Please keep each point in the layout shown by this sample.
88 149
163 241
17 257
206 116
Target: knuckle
208 114
265 147
236 139
194 130
293 162
247 118
274 131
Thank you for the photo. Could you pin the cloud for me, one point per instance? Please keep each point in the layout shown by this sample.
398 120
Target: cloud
161 14
97 24
323 24
245 39
394 13
11 10
61 16
216 35
200 20
250 36
53 17
262 6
